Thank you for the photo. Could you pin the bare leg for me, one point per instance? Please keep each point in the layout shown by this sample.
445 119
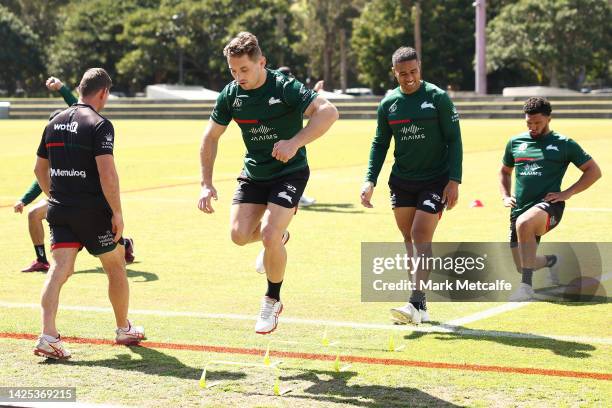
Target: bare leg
113 263
275 221
245 222
61 269
35 226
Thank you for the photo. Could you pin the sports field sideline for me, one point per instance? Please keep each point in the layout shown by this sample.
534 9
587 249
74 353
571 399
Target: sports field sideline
197 294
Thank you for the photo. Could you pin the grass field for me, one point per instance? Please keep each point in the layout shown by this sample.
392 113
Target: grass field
198 294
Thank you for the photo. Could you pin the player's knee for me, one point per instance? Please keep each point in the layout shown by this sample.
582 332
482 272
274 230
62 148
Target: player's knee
407 235
420 235
59 273
239 237
116 270
523 225
35 215
271 237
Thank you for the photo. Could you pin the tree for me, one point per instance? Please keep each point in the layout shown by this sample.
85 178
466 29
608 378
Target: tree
558 40
384 26
40 16
325 28
89 38
21 58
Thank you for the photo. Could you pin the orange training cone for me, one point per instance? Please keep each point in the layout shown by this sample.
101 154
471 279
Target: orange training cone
476 204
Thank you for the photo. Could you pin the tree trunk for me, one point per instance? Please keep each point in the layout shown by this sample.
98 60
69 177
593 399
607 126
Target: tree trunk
327 59
554 78
343 68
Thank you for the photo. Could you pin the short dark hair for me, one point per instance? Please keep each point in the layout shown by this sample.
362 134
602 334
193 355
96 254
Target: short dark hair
404 54
537 104
244 43
94 79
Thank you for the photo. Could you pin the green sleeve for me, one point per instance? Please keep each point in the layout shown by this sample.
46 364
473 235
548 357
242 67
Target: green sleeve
449 124
221 113
67 95
508 159
575 154
30 195
380 145
296 95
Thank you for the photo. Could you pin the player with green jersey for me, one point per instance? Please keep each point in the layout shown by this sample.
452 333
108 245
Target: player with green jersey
426 173
540 157
269 108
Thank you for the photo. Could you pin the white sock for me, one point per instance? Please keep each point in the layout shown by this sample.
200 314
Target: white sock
50 339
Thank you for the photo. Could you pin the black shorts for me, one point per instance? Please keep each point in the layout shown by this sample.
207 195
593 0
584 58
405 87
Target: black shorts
72 227
554 211
284 191
425 195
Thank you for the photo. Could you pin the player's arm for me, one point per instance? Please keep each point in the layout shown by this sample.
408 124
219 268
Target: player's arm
590 174
322 115
33 192
104 143
449 121
378 153
208 153
505 185
109 180
41 170
54 84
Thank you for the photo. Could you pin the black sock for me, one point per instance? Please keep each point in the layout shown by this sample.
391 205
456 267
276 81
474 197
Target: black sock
527 275
417 299
551 260
41 256
274 290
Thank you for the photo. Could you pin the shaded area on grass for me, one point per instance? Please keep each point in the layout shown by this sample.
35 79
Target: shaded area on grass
146 276
333 387
346 208
152 362
571 349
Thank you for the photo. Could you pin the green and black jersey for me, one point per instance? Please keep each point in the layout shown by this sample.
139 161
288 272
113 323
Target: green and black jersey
34 191
425 128
272 112
540 164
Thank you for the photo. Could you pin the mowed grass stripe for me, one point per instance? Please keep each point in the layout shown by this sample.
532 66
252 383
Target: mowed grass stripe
331 357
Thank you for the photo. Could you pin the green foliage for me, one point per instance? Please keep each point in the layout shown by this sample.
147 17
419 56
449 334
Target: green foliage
384 26
556 39
565 42
21 57
89 38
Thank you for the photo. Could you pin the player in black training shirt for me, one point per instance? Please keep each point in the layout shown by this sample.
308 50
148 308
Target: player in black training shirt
76 169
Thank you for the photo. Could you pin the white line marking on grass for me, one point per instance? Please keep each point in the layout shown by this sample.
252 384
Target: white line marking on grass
485 314
443 328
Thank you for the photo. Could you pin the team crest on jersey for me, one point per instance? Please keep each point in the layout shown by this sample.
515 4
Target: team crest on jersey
522 147
552 147
426 105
